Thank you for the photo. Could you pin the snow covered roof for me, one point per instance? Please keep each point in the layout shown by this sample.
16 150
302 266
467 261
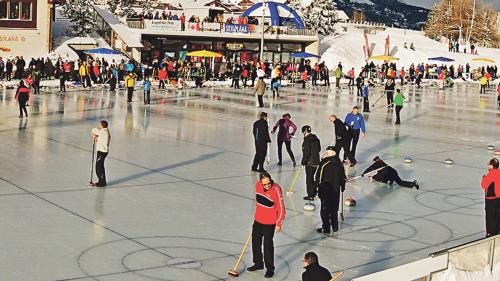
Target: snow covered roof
341 15
131 37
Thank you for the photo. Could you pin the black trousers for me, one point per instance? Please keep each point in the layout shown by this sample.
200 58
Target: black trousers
99 167
340 144
130 92
112 84
261 101
147 97
329 213
398 110
498 100
359 91
161 85
236 83
62 85
22 107
390 97
337 82
366 104
260 156
310 186
395 178
353 136
288 145
36 87
491 207
266 232
483 89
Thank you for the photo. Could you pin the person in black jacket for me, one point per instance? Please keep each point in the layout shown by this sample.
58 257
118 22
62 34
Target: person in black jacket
262 140
330 179
341 137
314 271
311 148
22 97
236 77
389 91
388 174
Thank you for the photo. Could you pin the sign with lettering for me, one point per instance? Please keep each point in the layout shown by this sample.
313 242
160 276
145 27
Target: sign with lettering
165 25
12 38
236 28
234 46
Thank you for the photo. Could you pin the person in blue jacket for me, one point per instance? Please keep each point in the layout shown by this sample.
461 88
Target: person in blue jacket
355 125
365 93
146 84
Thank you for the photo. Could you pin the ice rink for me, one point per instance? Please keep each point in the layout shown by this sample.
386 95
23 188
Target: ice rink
180 199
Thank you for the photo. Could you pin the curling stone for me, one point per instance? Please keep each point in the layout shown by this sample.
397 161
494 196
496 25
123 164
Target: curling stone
350 202
491 147
408 160
309 206
448 161
497 152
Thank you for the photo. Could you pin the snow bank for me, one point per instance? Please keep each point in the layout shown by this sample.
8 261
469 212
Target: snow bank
454 274
348 49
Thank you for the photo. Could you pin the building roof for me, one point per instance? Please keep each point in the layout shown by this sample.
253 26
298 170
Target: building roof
341 15
130 37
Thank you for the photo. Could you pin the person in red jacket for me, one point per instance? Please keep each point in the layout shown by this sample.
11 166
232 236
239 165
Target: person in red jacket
491 186
22 97
268 219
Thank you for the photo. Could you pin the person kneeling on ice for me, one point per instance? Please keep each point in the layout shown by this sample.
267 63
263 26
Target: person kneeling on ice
268 219
388 174
330 179
314 271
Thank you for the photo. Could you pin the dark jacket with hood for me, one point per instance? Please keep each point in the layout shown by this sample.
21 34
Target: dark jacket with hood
311 148
384 175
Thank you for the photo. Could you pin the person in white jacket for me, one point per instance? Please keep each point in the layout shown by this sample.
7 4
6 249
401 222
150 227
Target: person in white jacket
101 138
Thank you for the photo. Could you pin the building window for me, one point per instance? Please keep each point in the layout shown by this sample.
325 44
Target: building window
26 11
3 10
18 13
14 10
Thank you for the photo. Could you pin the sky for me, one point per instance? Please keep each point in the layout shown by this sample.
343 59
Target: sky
429 3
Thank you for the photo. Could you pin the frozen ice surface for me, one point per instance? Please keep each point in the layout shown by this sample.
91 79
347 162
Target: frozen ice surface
179 204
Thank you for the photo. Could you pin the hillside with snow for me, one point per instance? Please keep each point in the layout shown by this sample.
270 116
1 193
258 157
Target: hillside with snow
348 49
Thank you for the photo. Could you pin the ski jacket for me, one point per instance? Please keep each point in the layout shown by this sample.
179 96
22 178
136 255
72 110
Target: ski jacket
146 85
399 99
355 122
261 132
311 148
22 94
340 129
260 87
269 205
284 129
491 184
330 177
130 81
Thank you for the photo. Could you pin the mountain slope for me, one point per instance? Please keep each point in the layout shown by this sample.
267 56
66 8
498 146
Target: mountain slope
391 12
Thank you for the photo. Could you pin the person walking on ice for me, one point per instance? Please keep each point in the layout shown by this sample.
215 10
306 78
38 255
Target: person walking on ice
146 84
387 174
330 179
284 136
22 97
268 219
356 125
398 102
101 139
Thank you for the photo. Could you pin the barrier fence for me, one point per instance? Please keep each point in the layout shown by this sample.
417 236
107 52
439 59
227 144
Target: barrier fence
480 258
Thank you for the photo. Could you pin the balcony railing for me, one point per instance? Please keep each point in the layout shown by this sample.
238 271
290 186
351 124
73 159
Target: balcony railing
177 26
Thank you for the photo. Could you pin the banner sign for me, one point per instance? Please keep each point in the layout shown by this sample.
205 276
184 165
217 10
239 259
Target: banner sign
211 26
236 28
165 25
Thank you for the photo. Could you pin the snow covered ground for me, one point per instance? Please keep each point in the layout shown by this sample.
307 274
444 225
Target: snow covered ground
348 49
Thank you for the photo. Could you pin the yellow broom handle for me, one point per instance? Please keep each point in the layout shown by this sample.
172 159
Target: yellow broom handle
295 179
242 252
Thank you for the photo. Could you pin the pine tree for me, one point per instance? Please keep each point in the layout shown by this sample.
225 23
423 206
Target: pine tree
149 5
113 5
80 13
125 7
471 21
317 15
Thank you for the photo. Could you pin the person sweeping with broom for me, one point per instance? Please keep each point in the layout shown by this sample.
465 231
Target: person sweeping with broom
268 219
